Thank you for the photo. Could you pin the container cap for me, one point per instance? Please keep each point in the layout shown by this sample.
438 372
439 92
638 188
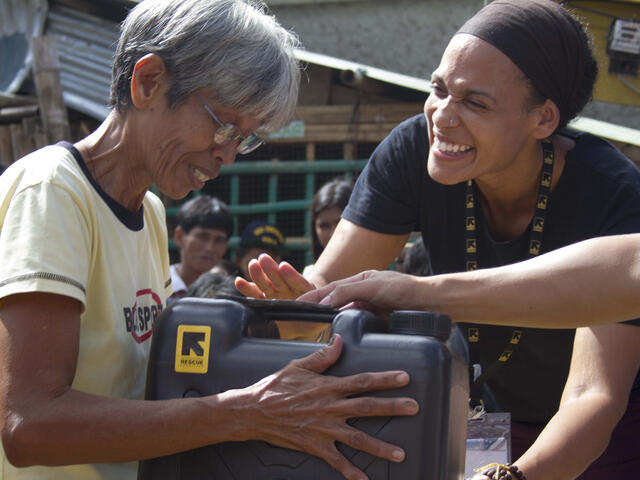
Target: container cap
411 322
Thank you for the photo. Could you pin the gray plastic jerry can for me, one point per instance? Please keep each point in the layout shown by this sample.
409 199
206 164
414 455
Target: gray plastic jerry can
200 347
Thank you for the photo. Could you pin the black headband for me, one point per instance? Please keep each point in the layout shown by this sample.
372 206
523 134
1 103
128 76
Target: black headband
544 42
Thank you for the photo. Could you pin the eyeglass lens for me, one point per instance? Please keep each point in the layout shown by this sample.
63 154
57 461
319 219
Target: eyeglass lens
249 143
228 133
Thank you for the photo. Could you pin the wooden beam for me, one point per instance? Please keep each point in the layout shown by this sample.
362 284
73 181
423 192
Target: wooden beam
46 70
340 133
348 150
40 137
18 141
377 113
6 149
16 113
30 127
310 151
11 100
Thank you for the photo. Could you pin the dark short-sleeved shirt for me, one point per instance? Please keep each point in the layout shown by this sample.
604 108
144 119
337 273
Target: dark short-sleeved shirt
598 194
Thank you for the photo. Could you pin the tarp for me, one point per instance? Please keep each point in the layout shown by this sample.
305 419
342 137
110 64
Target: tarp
19 21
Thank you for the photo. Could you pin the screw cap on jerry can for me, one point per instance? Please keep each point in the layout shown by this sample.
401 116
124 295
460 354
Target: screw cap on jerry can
411 322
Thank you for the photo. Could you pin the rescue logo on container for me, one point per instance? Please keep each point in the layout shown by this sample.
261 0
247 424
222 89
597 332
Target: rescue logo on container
192 348
140 318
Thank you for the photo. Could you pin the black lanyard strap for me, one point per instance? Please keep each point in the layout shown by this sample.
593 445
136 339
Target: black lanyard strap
534 249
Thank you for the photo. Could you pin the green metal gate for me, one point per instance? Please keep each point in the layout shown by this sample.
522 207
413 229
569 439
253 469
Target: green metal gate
229 190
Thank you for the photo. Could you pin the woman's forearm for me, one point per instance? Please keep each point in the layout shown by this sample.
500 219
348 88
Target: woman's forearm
592 282
604 365
80 428
574 438
74 427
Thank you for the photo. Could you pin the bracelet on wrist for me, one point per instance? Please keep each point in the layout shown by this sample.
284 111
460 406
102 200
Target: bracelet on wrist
498 471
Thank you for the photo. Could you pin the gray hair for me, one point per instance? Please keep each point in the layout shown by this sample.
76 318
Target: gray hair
232 47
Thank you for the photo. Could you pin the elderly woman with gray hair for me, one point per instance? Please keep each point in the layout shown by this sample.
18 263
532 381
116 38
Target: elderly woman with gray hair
84 266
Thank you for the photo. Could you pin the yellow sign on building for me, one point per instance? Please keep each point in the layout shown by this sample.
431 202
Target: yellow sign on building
599 15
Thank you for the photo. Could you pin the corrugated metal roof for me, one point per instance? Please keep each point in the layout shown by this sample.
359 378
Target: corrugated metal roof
86 44
374 73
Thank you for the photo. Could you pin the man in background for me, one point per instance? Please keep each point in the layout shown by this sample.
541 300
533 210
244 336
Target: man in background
203 228
259 236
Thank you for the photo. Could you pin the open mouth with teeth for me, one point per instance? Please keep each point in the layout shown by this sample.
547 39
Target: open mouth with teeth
450 148
199 175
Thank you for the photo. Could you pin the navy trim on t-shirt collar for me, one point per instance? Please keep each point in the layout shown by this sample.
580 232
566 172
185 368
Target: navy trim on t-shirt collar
131 220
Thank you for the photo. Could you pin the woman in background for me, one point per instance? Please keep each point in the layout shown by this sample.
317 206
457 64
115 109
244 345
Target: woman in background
326 210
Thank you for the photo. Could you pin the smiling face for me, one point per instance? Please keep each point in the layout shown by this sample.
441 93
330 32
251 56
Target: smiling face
186 155
479 114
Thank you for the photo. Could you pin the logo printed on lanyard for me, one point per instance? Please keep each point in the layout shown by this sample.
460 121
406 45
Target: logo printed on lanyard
535 238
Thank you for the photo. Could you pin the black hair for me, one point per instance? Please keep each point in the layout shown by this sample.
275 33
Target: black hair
547 43
227 266
218 285
584 92
334 193
205 212
416 260
210 285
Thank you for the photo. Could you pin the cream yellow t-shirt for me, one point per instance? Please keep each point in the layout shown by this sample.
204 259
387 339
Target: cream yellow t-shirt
60 233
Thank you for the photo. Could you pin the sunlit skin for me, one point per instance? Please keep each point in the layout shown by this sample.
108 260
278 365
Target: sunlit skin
171 148
252 254
325 224
187 156
477 104
482 126
200 250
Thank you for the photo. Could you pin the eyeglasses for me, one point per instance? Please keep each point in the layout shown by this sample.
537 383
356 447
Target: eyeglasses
228 132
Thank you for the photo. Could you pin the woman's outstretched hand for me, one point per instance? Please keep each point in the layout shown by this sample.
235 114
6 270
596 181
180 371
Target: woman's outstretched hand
273 280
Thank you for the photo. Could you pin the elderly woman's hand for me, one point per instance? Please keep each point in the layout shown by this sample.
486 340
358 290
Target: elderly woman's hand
273 280
301 409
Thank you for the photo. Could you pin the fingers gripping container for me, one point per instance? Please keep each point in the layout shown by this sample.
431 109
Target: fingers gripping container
200 348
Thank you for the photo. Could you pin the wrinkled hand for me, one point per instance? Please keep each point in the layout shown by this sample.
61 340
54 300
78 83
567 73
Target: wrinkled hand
380 292
301 409
273 280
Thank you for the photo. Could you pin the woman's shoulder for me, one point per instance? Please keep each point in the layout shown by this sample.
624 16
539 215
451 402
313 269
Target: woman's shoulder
152 201
413 129
53 164
406 143
591 148
154 209
593 155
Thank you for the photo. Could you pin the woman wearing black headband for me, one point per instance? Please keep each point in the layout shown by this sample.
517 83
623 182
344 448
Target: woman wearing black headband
504 181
